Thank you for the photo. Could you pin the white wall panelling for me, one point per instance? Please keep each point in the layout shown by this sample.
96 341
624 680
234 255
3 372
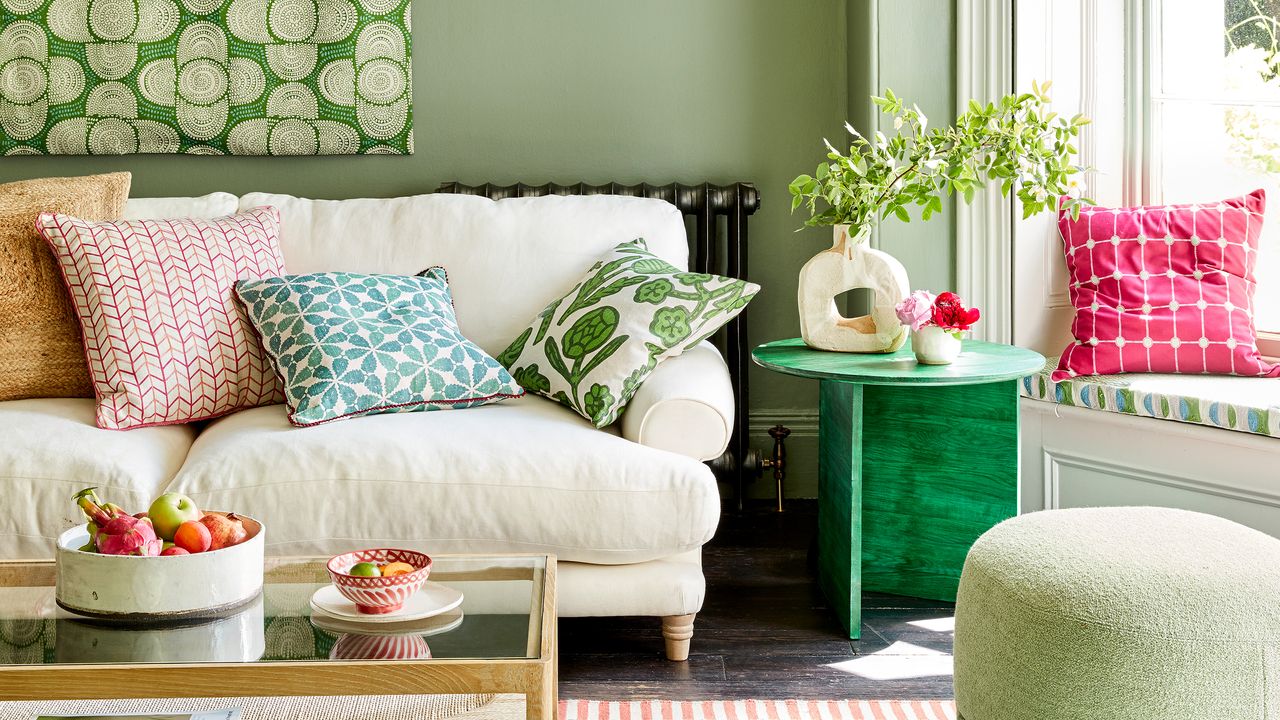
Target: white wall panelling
1077 457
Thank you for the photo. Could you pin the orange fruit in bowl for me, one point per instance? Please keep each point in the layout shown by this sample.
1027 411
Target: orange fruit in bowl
397 568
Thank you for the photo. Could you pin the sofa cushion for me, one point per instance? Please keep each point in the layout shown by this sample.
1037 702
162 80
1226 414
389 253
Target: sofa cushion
1164 289
523 476
506 259
1243 404
40 350
165 340
205 207
52 449
348 344
591 348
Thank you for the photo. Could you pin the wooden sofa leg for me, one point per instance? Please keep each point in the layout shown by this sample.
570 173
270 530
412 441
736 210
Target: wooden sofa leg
677 630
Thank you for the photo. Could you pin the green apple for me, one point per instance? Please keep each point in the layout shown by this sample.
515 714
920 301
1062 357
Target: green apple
365 569
171 510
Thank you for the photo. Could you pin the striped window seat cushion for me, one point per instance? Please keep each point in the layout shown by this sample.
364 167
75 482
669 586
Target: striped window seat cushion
1243 404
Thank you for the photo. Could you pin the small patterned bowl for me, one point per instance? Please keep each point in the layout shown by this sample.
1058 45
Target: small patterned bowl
379 595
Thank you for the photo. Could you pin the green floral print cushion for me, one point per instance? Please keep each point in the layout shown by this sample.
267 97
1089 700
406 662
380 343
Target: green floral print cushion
591 349
346 344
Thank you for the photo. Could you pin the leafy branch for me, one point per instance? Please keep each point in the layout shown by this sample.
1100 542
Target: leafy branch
1016 143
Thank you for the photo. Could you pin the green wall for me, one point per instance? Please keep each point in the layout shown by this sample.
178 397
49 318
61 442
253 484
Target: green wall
907 45
661 90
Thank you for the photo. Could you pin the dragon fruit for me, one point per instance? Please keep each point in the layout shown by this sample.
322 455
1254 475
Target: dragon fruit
128 535
113 531
98 512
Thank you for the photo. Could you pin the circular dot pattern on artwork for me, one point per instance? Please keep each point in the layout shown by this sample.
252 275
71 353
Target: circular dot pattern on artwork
24 80
202 81
205 77
382 81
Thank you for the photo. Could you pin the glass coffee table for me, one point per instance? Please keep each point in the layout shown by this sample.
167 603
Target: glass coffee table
501 640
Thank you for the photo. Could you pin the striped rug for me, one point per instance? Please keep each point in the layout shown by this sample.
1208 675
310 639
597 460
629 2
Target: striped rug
759 710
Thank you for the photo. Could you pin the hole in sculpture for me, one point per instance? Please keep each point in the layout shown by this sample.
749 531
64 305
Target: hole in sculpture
856 307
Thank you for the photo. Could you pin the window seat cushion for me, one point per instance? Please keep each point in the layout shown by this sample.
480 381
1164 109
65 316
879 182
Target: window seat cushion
1243 404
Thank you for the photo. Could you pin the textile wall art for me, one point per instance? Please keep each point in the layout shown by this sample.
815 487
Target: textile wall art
205 77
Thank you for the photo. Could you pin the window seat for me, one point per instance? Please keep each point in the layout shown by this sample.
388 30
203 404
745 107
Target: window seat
1244 404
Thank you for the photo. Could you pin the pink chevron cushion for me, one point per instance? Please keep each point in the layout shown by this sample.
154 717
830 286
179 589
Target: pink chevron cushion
165 341
1164 289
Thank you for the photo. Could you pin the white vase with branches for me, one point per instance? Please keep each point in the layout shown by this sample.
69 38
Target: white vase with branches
1015 142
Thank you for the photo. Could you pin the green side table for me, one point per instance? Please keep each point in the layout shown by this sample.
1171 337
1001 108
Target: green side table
915 462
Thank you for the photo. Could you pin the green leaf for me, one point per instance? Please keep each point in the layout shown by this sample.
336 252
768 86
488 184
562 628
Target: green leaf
557 362
604 354
546 315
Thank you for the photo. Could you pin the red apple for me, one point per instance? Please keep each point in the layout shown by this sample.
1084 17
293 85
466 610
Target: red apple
174 550
193 537
226 530
171 510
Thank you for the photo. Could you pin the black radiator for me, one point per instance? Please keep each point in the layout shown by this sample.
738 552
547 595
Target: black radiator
714 247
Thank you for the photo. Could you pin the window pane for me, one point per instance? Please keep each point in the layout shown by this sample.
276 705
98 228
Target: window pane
1196 60
1191 59
1200 160
1216 117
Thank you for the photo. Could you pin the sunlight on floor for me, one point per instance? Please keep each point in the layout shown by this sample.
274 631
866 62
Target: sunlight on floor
942 624
899 661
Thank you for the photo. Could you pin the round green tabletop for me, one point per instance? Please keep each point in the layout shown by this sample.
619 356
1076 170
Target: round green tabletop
979 362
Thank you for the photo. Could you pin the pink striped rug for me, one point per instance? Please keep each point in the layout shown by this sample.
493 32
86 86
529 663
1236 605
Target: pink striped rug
759 710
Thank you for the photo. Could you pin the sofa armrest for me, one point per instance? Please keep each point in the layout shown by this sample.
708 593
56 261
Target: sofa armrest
685 406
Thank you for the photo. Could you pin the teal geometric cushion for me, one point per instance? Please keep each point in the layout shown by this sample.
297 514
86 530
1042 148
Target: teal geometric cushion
591 349
346 344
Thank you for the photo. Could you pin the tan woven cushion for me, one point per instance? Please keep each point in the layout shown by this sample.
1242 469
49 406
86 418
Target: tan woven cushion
40 350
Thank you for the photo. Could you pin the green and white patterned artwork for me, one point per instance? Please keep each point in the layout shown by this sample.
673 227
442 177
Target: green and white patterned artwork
205 77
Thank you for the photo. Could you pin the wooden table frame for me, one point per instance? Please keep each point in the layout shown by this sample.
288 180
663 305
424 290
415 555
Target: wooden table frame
535 677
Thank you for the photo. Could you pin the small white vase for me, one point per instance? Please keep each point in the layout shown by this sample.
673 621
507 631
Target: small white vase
851 263
935 346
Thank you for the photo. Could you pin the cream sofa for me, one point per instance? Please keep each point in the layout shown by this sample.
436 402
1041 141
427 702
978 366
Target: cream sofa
626 509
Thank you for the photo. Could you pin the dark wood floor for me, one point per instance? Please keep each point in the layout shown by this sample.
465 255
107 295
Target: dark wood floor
765 632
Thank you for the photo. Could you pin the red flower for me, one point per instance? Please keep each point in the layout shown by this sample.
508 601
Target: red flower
949 313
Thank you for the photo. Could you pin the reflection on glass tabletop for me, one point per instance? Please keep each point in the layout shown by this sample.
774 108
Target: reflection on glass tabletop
500 617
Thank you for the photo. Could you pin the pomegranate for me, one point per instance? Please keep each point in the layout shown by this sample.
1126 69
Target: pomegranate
224 530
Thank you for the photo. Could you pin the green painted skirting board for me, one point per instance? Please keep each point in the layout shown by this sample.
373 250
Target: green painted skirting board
914 464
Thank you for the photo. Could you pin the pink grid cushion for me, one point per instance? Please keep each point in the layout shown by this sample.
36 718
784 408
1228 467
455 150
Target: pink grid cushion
1164 289
165 341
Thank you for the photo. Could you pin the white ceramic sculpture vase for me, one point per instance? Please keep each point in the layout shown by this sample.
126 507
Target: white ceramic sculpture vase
935 346
851 263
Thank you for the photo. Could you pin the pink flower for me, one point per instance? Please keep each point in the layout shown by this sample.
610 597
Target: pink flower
916 311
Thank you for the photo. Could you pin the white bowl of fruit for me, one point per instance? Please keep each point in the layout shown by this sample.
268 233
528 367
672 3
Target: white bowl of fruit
172 562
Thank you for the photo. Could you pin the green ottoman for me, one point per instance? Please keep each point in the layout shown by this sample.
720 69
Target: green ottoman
1119 613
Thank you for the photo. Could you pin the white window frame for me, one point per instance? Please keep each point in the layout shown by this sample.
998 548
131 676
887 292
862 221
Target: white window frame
1079 45
984 229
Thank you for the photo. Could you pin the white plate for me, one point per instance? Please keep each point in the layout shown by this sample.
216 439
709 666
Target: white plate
437 625
432 599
